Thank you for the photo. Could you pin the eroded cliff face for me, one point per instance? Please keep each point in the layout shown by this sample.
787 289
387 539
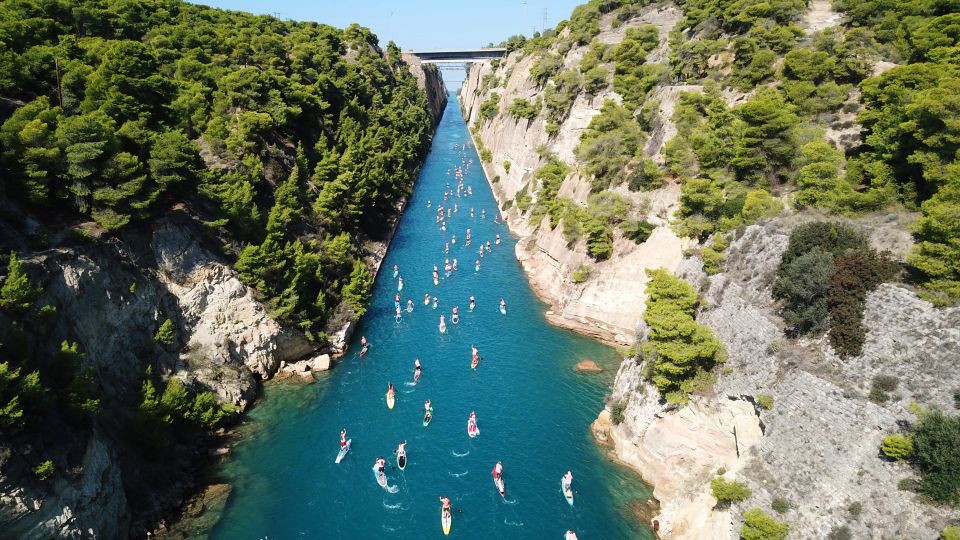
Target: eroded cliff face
430 80
818 447
609 304
111 295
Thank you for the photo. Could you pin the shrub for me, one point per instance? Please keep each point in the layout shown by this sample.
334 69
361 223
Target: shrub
552 128
856 509
544 68
780 505
759 526
803 285
486 155
17 293
841 532
936 444
595 79
616 412
44 470
897 447
644 175
765 401
950 533
165 334
637 230
506 166
907 484
610 141
581 274
490 106
680 347
882 384
856 274
523 109
729 492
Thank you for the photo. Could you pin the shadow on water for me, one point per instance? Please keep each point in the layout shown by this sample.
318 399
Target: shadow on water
533 409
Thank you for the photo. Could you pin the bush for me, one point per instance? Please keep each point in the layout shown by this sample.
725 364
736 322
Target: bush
780 505
936 445
490 106
616 412
856 274
881 386
165 334
506 166
765 401
681 347
637 230
581 274
759 526
729 492
856 509
544 68
907 484
950 533
523 109
897 447
840 533
486 155
44 470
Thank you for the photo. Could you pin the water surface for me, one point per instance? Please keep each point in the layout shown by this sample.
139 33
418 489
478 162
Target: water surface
533 410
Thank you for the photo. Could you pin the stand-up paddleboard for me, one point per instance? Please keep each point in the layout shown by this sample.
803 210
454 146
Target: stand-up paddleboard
402 460
567 493
426 301
474 362
436 281
503 310
363 351
428 417
446 521
381 477
416 376
343 451
500 487
391 399
472 429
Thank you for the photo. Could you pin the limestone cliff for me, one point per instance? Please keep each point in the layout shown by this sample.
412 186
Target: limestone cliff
817 447
430 80
610 303
112 292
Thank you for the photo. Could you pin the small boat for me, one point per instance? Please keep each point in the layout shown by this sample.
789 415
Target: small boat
343 451
472 429
498 481
402 460
428 417
446 520
381 477
391 399
567 493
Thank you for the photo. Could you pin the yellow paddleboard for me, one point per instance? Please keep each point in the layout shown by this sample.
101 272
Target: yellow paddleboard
390 400
446 520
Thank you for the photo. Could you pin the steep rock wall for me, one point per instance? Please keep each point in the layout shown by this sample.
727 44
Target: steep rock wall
610 303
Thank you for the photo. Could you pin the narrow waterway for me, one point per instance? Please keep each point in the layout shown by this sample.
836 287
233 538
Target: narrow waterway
533 409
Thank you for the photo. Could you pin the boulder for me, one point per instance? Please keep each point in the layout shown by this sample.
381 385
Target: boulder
587 366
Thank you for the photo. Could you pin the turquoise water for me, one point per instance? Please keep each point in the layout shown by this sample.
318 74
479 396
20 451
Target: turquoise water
533 410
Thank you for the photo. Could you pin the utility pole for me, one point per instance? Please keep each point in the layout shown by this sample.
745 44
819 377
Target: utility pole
544 29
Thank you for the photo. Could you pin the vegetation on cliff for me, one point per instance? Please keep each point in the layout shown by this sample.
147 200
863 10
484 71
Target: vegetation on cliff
292 142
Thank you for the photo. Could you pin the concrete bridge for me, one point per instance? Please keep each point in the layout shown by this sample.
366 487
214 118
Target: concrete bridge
459 56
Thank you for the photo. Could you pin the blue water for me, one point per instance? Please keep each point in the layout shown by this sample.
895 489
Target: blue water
533 410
